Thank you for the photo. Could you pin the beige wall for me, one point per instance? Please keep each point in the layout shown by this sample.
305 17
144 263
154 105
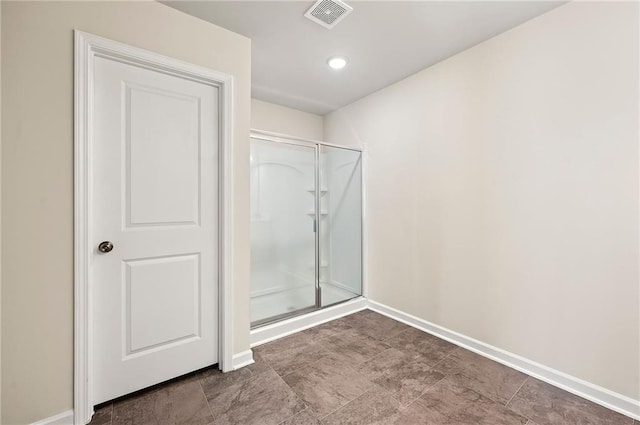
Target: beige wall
280 119
503 192
37 178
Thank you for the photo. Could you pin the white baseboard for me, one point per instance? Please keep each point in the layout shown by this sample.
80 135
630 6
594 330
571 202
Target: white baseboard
64 418
242 359
281 329
609 399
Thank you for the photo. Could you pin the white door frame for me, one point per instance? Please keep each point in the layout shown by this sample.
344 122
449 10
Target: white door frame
88 47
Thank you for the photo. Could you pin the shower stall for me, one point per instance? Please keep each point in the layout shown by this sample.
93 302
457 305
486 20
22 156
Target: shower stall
306 226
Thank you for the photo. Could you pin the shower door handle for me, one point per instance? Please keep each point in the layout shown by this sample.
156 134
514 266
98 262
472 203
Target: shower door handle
314 226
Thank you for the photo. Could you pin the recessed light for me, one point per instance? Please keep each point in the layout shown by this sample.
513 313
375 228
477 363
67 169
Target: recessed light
337 62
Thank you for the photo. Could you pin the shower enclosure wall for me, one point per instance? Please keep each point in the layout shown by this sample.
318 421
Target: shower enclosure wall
306 226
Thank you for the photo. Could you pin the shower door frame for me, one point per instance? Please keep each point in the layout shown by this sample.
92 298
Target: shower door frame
270 136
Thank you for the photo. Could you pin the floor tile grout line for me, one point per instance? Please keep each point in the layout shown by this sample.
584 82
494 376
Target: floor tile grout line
367 322
297 414
347 403
457 348
420 351
378 355
399 333
268 365
307 406
517 391
328 352
421 394
206 399
300 367
303 400
394 335
350 366
251 375
354 368
453 350
111 414
369 359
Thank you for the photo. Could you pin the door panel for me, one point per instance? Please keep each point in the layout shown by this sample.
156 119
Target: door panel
162 135
161 298
155 197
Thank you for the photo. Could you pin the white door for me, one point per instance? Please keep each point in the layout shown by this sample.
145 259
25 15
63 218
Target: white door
155 199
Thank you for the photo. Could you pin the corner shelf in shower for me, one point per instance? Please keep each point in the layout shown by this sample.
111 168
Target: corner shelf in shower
312 213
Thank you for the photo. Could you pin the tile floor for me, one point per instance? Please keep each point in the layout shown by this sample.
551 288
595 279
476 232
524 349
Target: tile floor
361 369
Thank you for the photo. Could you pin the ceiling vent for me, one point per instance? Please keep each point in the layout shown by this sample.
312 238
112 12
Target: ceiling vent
328 12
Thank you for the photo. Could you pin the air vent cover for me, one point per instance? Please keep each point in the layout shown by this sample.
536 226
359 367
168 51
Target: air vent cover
328 12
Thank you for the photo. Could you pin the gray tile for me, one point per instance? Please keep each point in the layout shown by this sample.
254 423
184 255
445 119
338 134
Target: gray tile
289 353
347 322
548 405
102 416
328 330
260 365
360 369
373 407
442 404
353 348
261 399
403 375
327 384
429 347
375 325
179 402
213 380
484 376
448 404
306 417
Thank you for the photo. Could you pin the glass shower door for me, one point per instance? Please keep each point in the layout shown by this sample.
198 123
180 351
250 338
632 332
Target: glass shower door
340 224
283 241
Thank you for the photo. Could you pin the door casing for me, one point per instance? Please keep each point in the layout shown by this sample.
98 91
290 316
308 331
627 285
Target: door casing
87 47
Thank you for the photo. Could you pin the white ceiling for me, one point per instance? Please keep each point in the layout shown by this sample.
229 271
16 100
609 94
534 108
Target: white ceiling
384 41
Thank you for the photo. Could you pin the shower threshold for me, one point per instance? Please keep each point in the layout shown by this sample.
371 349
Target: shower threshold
262 307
